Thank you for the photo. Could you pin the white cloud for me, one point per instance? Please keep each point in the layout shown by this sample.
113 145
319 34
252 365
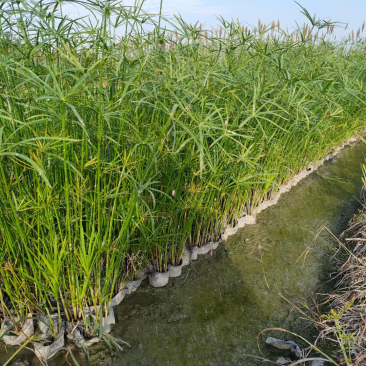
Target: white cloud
191 7
191 10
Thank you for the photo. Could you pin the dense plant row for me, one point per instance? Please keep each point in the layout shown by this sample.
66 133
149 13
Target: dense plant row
122 141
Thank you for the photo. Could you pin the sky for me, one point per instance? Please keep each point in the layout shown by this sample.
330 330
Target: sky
205 11
249 11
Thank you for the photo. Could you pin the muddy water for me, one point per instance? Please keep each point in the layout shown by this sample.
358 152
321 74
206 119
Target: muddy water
214 312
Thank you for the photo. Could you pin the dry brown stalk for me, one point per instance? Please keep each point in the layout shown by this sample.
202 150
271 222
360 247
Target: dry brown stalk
348 323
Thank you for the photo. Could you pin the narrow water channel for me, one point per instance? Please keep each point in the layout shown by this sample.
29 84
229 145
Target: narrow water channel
214 312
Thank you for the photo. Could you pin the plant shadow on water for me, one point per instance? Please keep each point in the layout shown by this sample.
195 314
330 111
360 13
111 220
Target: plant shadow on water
213 313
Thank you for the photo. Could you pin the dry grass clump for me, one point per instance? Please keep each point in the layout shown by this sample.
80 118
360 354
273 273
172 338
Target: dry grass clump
340 316
345 324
